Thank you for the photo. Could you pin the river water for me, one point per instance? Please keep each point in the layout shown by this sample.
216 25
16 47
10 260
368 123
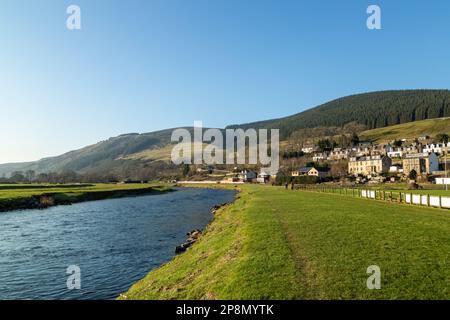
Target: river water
113 242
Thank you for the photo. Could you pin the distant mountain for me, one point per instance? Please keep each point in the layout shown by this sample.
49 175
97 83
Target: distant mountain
100 157
123 154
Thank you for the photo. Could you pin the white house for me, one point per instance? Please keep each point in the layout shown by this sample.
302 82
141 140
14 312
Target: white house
320 156
247 175
395 153
308 149
263 177
395 169
436 147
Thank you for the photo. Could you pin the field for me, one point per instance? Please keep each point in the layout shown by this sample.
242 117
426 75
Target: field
288 244
410 130
13 196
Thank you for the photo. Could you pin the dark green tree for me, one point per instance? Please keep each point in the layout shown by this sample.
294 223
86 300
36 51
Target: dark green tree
185 170
442 137
413 175
326 144
355 139
398 143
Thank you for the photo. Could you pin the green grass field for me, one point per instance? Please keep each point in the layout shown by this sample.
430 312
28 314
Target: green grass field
23 191
21 196
287 244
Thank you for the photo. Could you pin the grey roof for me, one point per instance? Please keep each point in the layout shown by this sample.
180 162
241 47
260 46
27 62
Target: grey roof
307 169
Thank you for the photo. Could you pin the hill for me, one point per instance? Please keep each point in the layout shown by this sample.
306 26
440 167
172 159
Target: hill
127 154
430 127
373 110
101 157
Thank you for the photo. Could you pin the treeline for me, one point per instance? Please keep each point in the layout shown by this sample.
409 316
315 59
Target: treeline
372 110
130 171
66 176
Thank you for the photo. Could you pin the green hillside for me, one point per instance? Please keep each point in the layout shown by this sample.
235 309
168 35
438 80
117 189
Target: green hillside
374 110
430 127
100 157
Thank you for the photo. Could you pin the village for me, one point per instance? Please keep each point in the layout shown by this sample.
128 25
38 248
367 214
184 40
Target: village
404 160
395 161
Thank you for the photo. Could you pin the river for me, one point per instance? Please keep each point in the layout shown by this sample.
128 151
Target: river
113 242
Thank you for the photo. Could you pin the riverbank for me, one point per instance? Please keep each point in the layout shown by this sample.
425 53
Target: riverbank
126 237
273 243
39 197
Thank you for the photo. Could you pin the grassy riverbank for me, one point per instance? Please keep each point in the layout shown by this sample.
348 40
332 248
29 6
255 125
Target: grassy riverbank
14 197
282 244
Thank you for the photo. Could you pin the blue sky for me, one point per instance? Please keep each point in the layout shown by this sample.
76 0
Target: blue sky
140 66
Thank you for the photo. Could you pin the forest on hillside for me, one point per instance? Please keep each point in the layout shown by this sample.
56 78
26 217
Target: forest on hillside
372 110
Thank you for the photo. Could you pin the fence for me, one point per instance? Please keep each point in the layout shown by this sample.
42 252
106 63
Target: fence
391 196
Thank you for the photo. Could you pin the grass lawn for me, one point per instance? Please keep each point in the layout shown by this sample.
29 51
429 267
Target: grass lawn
282 244
14 197
23 191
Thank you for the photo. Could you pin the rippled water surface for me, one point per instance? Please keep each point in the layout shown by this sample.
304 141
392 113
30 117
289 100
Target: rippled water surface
114 242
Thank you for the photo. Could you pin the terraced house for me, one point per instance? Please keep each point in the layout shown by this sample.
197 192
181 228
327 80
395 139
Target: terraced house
369 165
422 163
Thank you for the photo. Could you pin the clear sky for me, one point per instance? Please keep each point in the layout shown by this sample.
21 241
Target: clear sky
140 66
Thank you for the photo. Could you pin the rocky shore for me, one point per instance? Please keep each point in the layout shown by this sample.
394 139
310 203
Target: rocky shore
194 235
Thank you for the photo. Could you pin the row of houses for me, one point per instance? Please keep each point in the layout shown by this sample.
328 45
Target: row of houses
422 163
366 149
